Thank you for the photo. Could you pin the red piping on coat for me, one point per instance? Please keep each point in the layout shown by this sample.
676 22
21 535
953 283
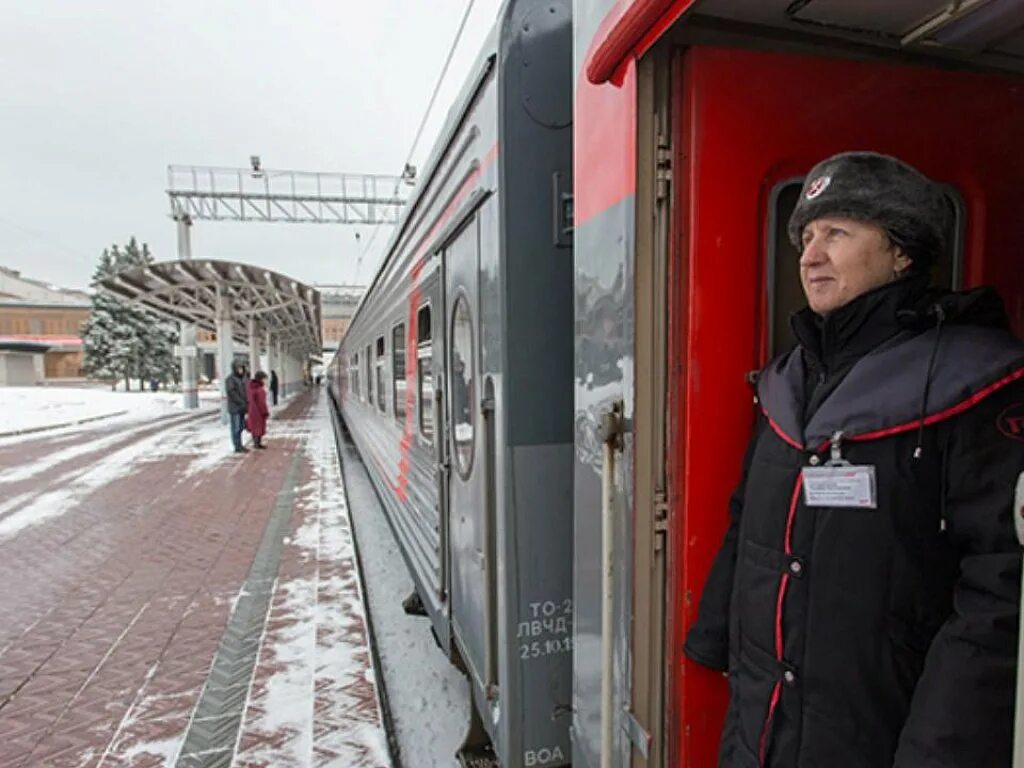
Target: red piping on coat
778 431
949 413
935 418
779 603
971 401
776 695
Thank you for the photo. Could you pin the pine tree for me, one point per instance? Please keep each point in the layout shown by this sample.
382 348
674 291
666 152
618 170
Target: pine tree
122 340
99 333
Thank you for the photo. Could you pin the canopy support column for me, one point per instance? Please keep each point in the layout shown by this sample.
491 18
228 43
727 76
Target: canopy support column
189 380
225 350
187 331
296 375
272 358
282 361
254 347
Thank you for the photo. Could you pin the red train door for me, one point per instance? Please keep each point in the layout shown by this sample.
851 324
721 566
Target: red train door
748 125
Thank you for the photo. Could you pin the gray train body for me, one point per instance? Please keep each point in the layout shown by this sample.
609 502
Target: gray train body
455 381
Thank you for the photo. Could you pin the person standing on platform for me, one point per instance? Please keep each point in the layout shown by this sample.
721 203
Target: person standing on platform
273 386
238 402
258 411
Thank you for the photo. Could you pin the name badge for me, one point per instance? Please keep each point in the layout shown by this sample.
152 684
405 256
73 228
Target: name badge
847 485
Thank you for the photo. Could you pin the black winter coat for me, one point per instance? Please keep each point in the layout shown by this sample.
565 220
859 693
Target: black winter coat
235 390
874 638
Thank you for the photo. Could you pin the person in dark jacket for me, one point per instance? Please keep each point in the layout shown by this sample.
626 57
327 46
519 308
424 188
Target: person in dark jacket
273 386
865 600
257 414
238 401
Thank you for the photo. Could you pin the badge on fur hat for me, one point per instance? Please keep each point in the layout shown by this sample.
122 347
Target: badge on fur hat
818 186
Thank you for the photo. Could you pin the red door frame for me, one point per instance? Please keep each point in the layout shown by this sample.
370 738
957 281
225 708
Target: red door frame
746 121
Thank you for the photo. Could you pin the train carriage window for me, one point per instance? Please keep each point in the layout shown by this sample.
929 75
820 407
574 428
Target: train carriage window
398 371
369 376
462 365
425 371
378 363
785 294
354 375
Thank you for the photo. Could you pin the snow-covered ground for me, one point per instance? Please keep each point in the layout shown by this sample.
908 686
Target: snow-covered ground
428 698
313 698
315 639
315 652
38 408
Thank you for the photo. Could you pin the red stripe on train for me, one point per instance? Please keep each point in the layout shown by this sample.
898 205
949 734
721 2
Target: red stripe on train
421 259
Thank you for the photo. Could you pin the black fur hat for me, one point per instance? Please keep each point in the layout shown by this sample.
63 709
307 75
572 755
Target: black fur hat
868 186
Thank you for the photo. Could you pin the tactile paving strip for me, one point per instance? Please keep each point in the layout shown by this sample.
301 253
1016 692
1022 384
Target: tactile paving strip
213 732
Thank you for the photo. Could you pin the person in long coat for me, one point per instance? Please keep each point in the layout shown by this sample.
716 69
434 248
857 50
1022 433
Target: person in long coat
865 601
258 412
237 402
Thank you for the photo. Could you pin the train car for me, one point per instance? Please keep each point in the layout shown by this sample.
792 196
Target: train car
695 123
455 381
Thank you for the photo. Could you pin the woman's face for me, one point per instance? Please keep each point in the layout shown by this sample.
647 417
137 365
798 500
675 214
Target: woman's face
844 258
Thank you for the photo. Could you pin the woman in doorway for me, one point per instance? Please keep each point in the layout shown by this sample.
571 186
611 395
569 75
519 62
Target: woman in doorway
865 601
258 411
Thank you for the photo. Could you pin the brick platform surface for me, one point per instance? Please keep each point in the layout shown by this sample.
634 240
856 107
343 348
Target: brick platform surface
164 601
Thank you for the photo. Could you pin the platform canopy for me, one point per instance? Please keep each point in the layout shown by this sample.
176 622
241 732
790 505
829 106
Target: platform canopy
203 291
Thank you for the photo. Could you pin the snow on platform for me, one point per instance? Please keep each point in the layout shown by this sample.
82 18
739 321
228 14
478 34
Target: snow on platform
42 408
106 651
110 650
427 697
314 691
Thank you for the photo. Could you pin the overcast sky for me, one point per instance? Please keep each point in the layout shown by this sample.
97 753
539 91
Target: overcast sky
98 98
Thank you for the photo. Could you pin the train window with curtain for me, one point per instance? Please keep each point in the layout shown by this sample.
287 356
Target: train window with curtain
785 293
369 375
425 371
461 385
398 371
378 363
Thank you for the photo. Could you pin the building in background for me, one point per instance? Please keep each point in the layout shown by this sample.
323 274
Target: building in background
40 330
338 304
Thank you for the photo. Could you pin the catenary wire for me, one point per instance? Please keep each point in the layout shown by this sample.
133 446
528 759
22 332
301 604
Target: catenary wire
423 124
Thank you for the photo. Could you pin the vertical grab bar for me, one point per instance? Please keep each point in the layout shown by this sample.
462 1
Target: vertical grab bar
610 432
487 409
441 454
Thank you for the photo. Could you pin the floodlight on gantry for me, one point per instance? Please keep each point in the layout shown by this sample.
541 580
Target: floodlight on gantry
193 290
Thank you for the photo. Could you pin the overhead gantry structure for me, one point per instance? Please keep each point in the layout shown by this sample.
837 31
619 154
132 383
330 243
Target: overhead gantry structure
212 193
257 307
209 193
298 197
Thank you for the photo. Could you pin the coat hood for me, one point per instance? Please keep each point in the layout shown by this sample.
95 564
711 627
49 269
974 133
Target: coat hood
981 307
